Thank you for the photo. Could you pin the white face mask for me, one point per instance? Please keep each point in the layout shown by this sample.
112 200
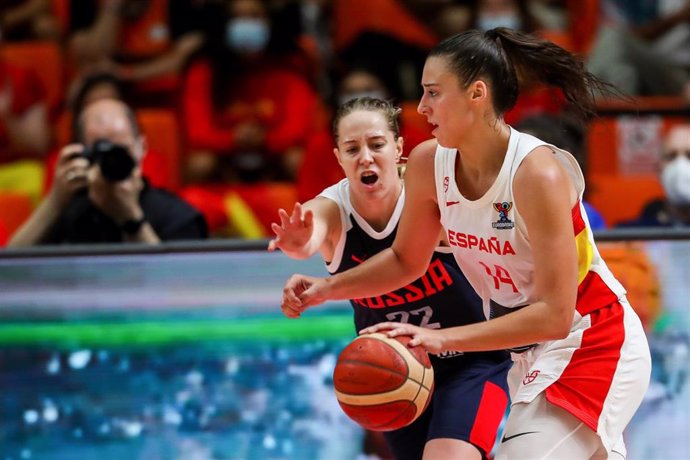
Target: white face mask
247 35
486 22
675 178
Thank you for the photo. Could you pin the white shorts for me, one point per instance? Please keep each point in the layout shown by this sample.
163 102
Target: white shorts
599 373
541 431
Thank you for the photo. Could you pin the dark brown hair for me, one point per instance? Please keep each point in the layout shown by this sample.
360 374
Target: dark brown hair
369 104
500 55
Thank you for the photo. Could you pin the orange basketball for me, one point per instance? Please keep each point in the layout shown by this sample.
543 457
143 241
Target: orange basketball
381 383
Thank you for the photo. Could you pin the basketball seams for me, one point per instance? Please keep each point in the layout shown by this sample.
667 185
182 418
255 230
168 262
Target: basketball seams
372 357
375 366
413 389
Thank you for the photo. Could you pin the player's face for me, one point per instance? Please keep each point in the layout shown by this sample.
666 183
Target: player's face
445 104
368 152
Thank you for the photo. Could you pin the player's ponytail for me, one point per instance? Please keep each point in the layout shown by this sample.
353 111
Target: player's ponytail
502 55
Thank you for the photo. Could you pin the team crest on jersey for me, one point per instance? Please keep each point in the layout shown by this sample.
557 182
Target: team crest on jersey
503 222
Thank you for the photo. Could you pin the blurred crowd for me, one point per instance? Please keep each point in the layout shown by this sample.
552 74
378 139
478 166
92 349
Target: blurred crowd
225 105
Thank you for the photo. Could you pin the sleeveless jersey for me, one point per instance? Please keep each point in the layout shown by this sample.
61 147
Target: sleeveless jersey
490 240
600 371
441 298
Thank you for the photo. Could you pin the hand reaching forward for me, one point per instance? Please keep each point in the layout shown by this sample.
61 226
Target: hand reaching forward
431 339
301 292
294 231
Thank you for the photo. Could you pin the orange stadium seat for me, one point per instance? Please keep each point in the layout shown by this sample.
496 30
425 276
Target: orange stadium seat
16 208
353 17
562 38
584 23
619 198
61 12
162 131
45 58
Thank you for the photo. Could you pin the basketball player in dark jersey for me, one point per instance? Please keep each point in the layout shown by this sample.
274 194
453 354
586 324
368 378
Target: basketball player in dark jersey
357 218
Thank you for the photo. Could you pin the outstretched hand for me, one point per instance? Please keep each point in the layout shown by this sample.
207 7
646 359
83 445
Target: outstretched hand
294 231
431 339
301 292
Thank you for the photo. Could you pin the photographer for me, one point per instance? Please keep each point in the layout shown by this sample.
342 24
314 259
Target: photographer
99 195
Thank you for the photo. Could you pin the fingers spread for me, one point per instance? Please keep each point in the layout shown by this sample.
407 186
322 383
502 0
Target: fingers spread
308 218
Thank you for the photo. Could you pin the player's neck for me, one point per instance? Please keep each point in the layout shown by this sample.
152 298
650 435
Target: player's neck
377 210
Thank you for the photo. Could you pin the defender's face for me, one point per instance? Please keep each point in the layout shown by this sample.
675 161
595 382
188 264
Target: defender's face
368 152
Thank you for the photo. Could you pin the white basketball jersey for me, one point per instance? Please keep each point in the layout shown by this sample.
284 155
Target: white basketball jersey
490 240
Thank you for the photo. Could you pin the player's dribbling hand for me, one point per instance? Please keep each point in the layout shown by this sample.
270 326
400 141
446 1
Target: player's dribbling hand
294 231
430 339
301 292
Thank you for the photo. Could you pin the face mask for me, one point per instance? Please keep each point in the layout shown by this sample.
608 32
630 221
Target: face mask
246 35
676 180
375 93
508 20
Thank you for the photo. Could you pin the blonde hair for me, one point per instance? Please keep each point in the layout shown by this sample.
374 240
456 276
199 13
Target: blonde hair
369 104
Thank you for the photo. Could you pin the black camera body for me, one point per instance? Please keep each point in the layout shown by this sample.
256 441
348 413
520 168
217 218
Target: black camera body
115 161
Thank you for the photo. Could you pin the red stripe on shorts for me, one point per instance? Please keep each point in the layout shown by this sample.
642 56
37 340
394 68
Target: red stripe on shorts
593 293
492 406
586 380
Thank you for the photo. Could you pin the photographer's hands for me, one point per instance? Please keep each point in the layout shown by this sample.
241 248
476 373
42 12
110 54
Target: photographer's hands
70 175
117 200
120 202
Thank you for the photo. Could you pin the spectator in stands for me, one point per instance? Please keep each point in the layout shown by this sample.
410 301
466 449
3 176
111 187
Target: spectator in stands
24 130
248 115
444 17
674 209
28 20
144 43
643 47
513 14
535 98
88 205
387 37
102 85
566 134
107 86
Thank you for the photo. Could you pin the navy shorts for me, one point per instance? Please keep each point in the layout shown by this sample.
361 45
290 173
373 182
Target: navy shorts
468 404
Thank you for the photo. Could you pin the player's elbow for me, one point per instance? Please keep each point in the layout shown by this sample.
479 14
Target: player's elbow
412 268
560 323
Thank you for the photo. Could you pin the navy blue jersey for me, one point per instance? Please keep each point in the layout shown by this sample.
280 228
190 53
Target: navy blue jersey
441 298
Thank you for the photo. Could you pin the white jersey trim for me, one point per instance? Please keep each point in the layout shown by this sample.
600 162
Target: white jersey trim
340 194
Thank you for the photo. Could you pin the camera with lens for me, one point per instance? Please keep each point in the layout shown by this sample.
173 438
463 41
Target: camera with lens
115 161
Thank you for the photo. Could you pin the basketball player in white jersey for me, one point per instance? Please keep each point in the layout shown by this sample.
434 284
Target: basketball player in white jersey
511 206
358 217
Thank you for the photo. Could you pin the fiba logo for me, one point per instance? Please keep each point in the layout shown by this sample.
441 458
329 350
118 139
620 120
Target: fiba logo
503 221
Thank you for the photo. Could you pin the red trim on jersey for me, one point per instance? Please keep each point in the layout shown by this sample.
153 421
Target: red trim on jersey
578 221
492 406
584 385
593 293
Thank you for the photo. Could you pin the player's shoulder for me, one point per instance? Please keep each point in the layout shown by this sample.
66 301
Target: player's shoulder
542 166
423 153
426 148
